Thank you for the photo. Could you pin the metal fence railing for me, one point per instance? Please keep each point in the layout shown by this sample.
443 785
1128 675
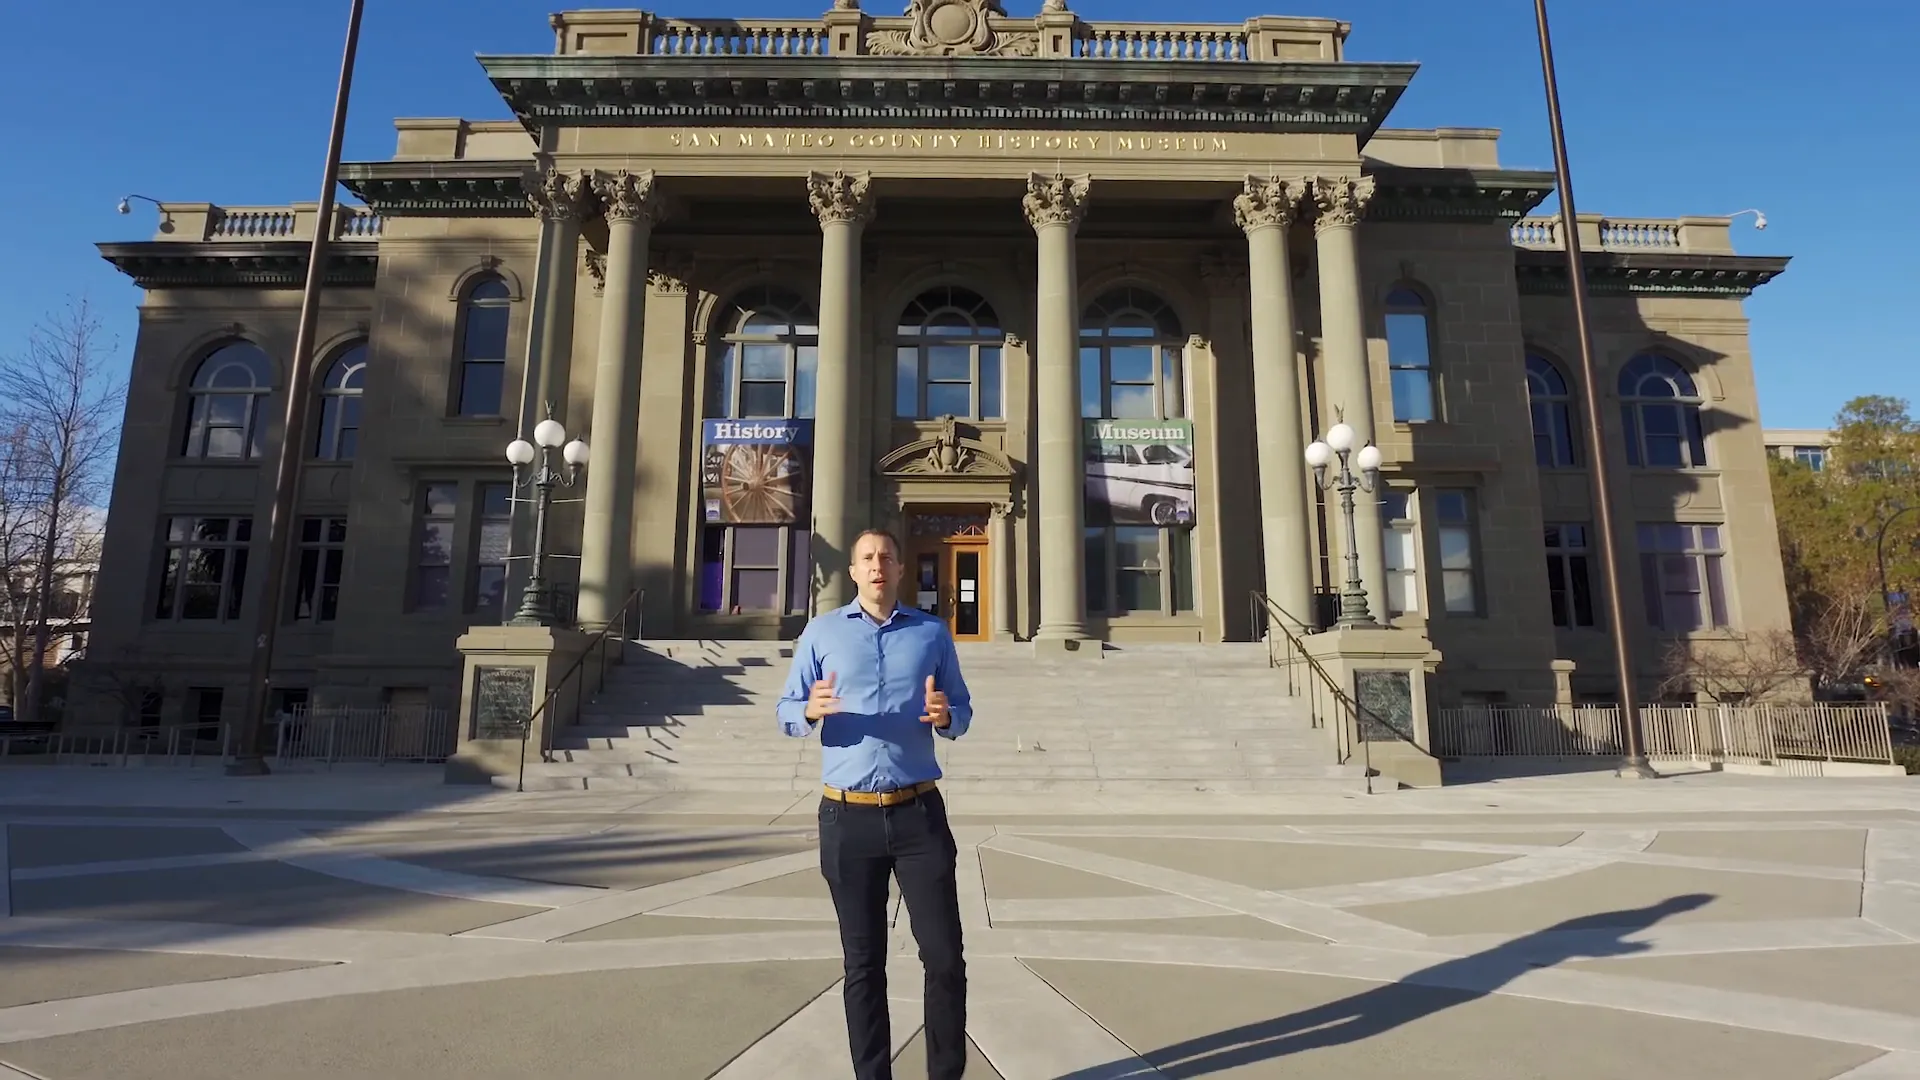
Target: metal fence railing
1756 734
175 744
373 733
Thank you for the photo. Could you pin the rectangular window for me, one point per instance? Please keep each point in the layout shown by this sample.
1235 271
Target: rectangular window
1401 543
763 379
1813 457
1569 576
1409 358
433 553
495 528
323 556
1682 577
747 569
204 568
1453 519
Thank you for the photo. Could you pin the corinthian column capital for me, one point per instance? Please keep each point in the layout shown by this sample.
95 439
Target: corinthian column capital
1268 202
629 196
558 196
1341 200
1056 200
841 197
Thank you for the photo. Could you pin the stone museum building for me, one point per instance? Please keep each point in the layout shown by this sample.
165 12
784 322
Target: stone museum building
1060 301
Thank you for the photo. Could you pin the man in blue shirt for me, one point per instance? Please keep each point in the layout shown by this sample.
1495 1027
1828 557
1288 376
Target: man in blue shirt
879 681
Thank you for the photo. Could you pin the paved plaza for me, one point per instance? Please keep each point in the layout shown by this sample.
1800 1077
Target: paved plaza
179 925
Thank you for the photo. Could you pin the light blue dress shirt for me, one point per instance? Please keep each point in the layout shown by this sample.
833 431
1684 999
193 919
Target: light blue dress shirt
877 741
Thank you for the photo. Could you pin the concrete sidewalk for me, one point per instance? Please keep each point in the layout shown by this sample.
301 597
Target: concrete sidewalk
165 925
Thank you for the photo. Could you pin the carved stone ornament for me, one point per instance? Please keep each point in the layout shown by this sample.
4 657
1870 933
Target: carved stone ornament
665 283
597 266
947 454
951 28
558 196
841 197
1056 200
629 196
1341 200
1267 202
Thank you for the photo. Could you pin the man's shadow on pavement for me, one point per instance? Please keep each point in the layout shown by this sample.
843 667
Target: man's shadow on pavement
1388 1006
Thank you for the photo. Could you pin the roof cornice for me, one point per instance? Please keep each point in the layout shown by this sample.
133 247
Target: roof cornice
1611 273
439 188
167 264
1457 194
906 91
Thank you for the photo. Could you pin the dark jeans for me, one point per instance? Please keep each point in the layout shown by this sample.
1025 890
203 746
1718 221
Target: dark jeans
859 847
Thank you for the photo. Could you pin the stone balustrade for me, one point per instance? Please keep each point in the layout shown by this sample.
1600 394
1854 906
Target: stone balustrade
207 223
950 28
1687 235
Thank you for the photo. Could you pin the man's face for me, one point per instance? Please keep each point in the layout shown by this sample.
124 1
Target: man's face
877 569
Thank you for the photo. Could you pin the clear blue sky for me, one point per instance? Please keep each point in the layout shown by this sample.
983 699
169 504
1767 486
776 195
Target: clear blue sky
1673 107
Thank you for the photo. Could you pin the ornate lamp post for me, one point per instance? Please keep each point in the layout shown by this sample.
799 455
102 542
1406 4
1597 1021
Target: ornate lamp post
1354 612
536 608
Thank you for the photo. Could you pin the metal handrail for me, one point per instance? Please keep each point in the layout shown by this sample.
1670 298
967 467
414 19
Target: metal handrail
596 647
1262 610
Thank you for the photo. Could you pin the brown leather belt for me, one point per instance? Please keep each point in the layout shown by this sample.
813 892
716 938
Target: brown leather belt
881 798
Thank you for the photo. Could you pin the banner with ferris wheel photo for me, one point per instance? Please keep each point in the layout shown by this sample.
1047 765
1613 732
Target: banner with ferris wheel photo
756 472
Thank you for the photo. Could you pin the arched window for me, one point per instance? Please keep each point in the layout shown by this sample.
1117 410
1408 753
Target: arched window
339 429
1660 413
764 366
767 357
1552 406
1139 491
1410 355
1130 358
225 416
483 346
947 357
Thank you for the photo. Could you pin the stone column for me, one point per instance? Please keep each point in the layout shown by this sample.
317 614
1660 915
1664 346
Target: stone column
844 204
1055 205
1000 571
560 200
1265 210
1340 202
632 205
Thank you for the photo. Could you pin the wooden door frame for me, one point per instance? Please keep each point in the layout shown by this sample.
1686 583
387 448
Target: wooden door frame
944 547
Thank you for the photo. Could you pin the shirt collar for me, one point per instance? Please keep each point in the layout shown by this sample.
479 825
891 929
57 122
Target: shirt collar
900 611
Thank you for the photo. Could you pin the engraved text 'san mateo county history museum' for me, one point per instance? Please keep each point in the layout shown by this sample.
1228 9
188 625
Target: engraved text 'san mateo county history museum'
1059 301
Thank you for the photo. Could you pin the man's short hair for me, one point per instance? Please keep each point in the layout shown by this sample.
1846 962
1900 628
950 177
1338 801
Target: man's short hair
898 551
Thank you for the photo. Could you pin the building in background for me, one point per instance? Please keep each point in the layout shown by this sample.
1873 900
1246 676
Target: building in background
1809 446
792 278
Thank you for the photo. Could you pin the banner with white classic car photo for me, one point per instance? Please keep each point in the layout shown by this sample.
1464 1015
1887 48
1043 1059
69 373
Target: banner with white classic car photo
1139 472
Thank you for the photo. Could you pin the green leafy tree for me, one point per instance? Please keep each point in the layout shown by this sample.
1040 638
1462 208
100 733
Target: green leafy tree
1831 519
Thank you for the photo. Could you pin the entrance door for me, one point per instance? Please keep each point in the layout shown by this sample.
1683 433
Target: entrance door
947 566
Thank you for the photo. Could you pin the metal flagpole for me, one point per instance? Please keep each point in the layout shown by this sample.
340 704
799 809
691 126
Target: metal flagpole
1636 763
247 758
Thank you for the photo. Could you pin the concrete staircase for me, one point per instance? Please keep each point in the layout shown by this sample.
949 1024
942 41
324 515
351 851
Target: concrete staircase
699 716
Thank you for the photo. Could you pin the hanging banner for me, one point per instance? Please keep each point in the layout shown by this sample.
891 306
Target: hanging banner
1139 472
755 472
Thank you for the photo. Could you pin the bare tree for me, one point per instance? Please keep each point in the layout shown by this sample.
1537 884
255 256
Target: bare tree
1750 667
61 408
1839 637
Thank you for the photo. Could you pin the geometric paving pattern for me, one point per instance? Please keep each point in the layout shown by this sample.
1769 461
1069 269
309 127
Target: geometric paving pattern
206 945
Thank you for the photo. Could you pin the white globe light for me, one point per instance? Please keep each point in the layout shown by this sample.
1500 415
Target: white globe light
549 433
1340 437
575 453
1368 458
519 452
1319 454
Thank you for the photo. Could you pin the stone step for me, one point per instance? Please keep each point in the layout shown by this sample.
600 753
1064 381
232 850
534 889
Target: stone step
1067 786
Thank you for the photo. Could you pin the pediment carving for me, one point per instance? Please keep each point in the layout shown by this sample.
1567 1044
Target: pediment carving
947 453
954 28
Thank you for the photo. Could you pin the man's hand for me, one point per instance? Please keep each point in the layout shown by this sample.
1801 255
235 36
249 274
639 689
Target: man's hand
822 702
937 713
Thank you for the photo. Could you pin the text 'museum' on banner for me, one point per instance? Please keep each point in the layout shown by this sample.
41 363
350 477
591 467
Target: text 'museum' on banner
756 472
1139 472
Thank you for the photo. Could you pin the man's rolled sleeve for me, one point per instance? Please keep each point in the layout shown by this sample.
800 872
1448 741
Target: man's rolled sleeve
792 706
948 680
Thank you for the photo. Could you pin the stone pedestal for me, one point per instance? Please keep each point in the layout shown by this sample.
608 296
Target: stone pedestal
1563 683
1385 672
507 671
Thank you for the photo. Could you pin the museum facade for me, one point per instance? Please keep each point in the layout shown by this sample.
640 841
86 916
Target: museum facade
794 278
